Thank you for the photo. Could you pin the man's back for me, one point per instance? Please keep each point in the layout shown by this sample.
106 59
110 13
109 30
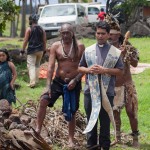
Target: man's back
35 39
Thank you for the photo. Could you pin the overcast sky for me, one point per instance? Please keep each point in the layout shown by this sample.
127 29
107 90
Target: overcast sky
36 1
54 1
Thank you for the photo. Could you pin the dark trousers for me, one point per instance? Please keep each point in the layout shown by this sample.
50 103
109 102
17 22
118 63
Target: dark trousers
104 135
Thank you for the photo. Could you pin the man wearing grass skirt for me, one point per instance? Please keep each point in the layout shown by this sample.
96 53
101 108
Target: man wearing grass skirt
125 89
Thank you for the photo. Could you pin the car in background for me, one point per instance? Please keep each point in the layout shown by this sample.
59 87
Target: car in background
53 16
40 10
92 10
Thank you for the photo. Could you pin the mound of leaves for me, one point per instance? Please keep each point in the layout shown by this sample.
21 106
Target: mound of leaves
17 128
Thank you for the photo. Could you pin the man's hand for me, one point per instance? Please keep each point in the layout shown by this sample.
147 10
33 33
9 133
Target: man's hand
12 85
22 52
72 84
49 93
96 69
123 50
47 89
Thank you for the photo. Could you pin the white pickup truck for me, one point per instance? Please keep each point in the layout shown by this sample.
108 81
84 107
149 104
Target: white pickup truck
53 16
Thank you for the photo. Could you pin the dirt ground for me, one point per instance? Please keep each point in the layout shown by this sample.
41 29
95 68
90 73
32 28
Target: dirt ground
140 68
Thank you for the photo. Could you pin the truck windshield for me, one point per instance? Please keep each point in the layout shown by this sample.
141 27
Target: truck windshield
58 10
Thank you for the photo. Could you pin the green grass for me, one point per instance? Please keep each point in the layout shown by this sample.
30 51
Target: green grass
88 42
143 45
11 43
142 83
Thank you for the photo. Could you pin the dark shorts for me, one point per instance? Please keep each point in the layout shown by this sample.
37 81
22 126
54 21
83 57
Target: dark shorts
57 90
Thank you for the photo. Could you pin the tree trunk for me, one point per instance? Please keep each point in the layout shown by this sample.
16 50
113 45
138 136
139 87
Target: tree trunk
23 21
18 16
13 29
31 10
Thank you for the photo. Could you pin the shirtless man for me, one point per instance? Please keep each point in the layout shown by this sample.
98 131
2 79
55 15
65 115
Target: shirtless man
67 52
125 88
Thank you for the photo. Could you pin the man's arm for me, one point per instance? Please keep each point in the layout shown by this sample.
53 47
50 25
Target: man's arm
44 40
134 58
51 66
83 69
82 49
97 69
14 74
74 81
25 41
113 71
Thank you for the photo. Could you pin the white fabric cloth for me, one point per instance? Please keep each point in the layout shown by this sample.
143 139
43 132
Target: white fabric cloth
119 99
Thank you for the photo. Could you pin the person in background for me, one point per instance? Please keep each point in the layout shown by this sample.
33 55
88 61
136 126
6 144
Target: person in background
100 65
8 76
35 37
125 88
67 81
101 15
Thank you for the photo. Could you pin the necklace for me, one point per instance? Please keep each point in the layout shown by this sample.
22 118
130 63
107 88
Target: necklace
63 50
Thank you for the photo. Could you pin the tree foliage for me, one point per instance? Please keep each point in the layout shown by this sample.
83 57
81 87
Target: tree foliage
8 10
129 5
124 7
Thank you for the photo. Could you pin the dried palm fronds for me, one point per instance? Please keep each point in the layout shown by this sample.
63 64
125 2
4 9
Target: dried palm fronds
54 130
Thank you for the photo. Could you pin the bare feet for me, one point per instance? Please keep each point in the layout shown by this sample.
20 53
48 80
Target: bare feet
38 130
28 132
136 144
116 141
113 143
71 144
31 132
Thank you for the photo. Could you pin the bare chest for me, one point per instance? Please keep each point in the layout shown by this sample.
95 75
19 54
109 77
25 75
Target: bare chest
66 55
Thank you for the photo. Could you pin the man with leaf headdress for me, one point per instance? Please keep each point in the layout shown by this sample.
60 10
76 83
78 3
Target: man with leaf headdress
125 88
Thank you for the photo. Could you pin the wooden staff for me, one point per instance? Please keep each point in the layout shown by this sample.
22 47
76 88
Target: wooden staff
126 37
128 48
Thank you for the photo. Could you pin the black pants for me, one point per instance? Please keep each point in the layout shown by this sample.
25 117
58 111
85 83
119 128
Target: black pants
104 135
57 90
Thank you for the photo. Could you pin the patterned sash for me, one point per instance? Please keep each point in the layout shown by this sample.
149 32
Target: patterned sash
96 87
